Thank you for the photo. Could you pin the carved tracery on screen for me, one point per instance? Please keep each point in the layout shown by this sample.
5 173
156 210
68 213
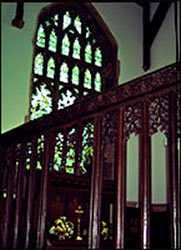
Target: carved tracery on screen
69 60
109 140
159 114
132 120
73 150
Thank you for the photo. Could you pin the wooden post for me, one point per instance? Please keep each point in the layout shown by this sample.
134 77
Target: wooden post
145 180
121 186
31 191
173 174
96 189
19 198
43 199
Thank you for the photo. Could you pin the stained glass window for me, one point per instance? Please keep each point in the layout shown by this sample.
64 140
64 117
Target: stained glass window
58 153
41 102
71 152
75 75
66 20
87 147
88 53
53 41
66 99
38 64
87 79
64 72
97 82
55 19
40 40
65 45
76 49
98 57
87 32
51 68
40 149
77 24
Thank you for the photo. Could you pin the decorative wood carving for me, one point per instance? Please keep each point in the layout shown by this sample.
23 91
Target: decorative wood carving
132 120
159 115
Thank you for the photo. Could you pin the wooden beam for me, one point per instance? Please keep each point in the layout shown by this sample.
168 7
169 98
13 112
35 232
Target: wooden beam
151 28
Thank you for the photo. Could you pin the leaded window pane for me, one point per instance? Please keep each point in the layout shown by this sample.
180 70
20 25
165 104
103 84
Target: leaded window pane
71 152
38 64
64 72
41 102
98 57
58 152
53 41
97 82
78 24
88 53
40 40
51 68
76 49
66 99
65 45
66 20
87 79
75 75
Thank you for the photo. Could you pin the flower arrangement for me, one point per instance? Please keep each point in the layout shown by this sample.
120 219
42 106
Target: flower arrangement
62 229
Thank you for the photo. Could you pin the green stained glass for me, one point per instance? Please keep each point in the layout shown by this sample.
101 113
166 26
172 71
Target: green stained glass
55 19
51 68
66 99
87 79
87 147
40 150
65 45
85 93
87 32
41 102
53 41
75 75
88 53
78 24
98 57
64 72
38 64
71 152
40 41
58 152
97 82
28 155
76 49
66 20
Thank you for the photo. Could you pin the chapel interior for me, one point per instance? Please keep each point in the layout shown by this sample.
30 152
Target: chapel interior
91 125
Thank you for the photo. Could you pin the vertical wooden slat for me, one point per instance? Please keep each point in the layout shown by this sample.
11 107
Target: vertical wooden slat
32 176
43 200
173 174
96 189
121 186
5 241
19 198
145 180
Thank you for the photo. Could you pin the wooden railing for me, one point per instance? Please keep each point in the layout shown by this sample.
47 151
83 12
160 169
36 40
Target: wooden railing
141 106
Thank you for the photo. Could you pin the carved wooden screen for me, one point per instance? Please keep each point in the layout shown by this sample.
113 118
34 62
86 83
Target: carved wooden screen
74 56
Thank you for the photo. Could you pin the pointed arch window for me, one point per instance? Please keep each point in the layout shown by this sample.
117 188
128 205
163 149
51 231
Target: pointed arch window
40 40
51 68
38 64
75 75
87 79
69 55
88 53
53 41
76 49
64 70
65 45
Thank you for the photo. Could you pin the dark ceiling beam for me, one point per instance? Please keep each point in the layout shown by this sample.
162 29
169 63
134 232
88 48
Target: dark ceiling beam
18 20
151 29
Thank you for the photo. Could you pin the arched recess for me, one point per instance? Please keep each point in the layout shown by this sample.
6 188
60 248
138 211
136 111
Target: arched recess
73 35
